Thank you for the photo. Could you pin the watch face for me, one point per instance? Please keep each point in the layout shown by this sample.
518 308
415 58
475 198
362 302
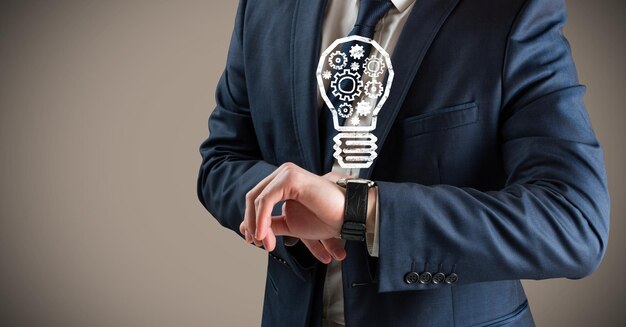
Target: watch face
344 181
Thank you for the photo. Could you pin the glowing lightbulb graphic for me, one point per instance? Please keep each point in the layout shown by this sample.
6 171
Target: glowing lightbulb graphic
354 76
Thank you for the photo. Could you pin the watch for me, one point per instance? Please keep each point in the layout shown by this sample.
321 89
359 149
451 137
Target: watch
355 211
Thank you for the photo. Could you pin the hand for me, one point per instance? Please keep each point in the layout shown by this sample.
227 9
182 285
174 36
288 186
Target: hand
325 249
313 210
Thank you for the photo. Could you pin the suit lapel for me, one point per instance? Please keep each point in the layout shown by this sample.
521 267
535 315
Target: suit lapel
305 50
422 25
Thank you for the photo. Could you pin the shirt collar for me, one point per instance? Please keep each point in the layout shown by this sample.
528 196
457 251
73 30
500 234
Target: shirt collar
401 5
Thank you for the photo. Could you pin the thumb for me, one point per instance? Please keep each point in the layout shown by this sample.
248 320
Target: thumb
280 227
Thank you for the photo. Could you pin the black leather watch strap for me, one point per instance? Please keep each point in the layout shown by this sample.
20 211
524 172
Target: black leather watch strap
355 212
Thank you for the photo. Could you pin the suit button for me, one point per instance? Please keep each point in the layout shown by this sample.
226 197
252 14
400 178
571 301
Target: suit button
411 277
452 278
439 278
426 277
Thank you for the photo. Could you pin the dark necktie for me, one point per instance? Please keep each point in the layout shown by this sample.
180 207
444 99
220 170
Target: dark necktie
370 12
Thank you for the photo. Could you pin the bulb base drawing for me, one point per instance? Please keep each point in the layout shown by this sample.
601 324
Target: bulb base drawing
355 149
354 77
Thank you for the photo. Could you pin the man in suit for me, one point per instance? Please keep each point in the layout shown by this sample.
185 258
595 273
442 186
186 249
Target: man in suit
488 170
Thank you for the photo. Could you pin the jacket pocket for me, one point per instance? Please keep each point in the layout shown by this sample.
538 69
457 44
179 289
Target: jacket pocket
440 119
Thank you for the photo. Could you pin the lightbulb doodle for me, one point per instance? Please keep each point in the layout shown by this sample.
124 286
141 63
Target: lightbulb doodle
354 77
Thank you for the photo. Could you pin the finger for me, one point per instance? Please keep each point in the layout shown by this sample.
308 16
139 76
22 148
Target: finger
249 218
247 235
242 229
335 247
244 232
269 242
280 227
283 187
318 250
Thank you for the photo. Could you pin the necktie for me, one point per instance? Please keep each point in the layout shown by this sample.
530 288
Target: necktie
370 12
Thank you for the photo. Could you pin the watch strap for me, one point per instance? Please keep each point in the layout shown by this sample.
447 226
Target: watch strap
355 211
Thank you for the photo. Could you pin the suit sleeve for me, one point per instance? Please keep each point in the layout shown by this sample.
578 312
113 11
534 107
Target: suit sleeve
551 218
232 162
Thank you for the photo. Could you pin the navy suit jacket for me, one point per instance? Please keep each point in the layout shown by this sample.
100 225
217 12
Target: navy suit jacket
488 165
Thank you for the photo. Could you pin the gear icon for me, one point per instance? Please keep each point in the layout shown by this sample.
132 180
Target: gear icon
355 66
355 120
344 110
373 89
337 60
326 75
357 52
373 66
363 108
347 85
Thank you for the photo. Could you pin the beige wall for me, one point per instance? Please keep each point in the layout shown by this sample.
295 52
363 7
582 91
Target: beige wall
103 105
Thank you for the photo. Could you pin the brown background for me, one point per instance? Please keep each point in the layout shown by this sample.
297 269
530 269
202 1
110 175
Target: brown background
103 107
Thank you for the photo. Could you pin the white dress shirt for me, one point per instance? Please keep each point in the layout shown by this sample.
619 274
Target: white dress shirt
339 20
